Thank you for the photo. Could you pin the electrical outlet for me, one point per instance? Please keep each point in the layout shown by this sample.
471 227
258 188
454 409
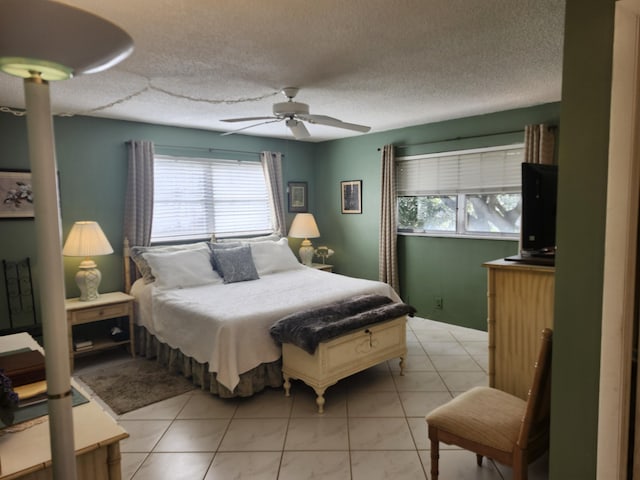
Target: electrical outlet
438 302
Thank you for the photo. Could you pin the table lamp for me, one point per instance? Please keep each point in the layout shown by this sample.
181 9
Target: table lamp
304 226
86 239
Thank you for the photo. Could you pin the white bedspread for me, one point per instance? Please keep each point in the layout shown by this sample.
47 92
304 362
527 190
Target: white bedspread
228 325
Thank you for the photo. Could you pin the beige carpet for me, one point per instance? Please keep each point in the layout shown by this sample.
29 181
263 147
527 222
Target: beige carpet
134 383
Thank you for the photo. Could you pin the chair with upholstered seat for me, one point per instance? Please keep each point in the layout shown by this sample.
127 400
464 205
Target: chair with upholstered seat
495 424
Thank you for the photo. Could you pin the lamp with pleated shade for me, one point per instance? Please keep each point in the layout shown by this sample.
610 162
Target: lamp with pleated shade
304 226
86 239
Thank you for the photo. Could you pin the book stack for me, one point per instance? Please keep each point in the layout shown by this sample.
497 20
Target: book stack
26 371
32 393
23 367
82 345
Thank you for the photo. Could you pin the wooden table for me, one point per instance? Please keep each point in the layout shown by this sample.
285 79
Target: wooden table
27 454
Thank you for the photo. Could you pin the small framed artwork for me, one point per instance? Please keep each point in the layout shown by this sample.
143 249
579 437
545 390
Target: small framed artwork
298 197
16 194
351 196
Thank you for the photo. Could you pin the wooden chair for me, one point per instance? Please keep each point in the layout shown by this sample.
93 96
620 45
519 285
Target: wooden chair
496 424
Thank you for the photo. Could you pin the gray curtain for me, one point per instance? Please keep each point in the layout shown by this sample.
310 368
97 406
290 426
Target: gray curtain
387 253
539 144
139 198
272 165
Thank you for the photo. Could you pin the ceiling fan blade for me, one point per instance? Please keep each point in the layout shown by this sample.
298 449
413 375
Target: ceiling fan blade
246 119
333 122
298 129
251 126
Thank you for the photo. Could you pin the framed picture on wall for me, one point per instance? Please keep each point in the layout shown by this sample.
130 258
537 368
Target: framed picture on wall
298 197
16 194
351 196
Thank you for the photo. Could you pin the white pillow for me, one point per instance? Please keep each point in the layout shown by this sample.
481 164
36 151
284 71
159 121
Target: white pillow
271 257
182 268
143 266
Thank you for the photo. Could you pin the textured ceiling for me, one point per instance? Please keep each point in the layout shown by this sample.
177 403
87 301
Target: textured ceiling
382 63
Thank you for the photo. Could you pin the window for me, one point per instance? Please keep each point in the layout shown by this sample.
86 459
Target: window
468 192
195 197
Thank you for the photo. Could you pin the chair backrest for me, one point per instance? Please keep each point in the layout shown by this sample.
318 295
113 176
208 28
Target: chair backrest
20 300
535 423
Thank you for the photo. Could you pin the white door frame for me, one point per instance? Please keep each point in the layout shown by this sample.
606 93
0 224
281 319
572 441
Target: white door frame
619 286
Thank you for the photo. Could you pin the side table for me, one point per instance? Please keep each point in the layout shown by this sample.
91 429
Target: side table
107 306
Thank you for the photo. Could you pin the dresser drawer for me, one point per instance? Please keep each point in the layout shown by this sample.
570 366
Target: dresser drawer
99 313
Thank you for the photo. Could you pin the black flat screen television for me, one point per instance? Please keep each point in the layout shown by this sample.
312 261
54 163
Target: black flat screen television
539 200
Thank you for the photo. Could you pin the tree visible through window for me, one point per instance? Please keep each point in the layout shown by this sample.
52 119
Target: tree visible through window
472 192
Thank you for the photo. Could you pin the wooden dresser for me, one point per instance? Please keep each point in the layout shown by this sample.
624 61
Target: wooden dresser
520 304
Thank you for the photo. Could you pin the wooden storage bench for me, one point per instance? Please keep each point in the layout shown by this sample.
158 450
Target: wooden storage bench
344 355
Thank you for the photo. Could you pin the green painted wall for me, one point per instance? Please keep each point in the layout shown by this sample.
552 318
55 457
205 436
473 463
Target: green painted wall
92 163
92 160
581 225
450 268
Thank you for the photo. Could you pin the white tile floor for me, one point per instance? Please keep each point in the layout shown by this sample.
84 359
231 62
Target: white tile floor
373 426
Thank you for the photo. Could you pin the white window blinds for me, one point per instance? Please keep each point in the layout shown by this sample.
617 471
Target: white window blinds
495 169
195 197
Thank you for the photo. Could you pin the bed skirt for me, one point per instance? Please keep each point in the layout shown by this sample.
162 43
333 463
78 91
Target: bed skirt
253 381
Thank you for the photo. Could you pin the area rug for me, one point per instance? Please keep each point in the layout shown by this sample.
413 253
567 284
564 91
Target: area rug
134 383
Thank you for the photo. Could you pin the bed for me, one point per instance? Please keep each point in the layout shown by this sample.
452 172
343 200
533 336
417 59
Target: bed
204 310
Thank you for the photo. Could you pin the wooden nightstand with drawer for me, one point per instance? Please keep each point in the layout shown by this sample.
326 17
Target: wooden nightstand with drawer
107 306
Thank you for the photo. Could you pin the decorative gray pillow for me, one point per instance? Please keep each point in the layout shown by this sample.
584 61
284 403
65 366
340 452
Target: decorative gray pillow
220 246
235 264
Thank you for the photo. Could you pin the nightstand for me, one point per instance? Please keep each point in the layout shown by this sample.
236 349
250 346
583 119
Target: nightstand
322 266
106 307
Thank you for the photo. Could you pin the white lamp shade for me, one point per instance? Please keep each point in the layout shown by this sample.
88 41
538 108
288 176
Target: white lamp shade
86 239
304 226
57 40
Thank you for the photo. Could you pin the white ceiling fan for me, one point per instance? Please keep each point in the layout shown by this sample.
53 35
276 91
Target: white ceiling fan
293 114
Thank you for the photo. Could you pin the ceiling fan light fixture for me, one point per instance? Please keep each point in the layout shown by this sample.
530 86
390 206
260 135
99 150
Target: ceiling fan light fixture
288 109
294 114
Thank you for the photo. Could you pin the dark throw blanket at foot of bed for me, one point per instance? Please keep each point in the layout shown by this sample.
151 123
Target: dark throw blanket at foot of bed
306 329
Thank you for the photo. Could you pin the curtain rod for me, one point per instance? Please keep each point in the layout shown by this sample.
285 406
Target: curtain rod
211 149
457 138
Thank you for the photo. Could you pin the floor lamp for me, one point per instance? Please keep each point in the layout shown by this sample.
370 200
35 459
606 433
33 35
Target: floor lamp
42 40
